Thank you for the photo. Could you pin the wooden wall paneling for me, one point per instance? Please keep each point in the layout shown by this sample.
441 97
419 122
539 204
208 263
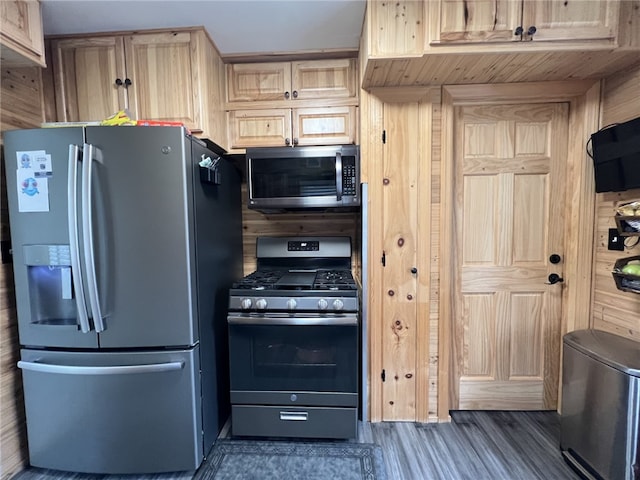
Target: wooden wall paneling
256 224
371 155
613 310
21 107
434 260
583 109
423 263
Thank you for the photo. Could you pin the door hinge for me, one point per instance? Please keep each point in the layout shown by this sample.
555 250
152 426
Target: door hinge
384 136
384 259
383 375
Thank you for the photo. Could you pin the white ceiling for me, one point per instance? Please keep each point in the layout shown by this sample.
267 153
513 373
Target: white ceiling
237 27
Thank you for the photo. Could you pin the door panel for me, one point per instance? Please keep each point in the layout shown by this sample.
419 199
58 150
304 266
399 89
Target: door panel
399 285
144 234
509 189
45 300
113 412
85 71
479 20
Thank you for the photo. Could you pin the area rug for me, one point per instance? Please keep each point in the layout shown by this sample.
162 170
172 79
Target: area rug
262 460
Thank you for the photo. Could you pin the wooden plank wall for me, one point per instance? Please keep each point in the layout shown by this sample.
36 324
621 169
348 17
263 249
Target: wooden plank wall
613 310
21 106
256 224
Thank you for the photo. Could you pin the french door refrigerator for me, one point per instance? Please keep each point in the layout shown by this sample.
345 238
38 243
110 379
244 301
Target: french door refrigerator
122 261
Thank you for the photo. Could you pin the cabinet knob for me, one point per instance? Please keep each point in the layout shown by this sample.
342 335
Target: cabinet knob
118 82
295 94
414 270
518 31
287 141
127 82
532 30
286 95
295 141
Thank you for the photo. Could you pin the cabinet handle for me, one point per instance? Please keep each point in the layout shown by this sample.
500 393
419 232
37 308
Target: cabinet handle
518 31
287 141
532 30
118 82
127 82
295 94
286 95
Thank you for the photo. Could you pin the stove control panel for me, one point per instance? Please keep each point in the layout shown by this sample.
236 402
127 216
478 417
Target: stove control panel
303 246
301 303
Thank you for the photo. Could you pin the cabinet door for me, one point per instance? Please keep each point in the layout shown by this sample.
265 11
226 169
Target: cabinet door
85 71
582 20
21 33
260 128
258 81
324 125
163 75
466 21
323 79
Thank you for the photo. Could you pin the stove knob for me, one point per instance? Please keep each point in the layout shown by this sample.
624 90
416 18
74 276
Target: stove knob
322 304
261 304
338 304
246 303
292 304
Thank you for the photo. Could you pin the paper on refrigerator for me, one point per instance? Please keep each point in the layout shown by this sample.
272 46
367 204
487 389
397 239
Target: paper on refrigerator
32 181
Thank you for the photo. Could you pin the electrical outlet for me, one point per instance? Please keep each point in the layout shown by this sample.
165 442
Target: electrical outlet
616 242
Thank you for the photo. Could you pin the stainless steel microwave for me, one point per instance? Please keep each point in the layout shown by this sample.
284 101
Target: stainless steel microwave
303 178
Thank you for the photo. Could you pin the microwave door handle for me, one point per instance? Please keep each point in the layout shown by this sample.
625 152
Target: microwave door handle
338 176
74 249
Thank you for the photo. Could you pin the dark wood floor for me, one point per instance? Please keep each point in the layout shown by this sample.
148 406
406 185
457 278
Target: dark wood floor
475 445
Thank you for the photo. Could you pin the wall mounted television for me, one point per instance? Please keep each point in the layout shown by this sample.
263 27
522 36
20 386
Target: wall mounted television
616 157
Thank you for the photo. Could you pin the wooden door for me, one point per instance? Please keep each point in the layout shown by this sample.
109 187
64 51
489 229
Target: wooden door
578 20
324 125
248 82
85 72
399 282
323 79
509 165
464 21
164 74
260 128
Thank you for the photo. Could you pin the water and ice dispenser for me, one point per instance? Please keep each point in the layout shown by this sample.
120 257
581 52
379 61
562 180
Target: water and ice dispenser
50 285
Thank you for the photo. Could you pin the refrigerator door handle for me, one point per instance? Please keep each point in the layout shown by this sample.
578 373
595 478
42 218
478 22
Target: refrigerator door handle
110 370
72 214
89 154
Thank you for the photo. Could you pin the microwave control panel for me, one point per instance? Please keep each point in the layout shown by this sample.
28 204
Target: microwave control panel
349 180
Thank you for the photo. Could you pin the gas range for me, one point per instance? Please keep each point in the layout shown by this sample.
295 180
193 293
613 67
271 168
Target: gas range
298 274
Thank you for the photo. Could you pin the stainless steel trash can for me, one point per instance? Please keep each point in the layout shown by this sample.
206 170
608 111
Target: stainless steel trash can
600 404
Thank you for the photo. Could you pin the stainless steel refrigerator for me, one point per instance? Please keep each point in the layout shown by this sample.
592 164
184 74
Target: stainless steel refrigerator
123 253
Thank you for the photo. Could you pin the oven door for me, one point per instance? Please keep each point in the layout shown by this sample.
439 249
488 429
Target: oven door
286 360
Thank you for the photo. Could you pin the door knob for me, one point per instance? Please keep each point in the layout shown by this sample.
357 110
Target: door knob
555 278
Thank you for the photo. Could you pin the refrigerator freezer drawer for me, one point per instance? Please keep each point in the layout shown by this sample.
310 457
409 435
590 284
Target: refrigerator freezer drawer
114 413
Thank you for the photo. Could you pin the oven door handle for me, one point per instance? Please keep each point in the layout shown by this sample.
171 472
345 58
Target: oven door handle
295 321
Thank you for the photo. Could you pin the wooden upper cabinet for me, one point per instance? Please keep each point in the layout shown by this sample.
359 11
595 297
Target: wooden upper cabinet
258 81
323 79
160 76
21 36
283 81
164 78
85 72
481 21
